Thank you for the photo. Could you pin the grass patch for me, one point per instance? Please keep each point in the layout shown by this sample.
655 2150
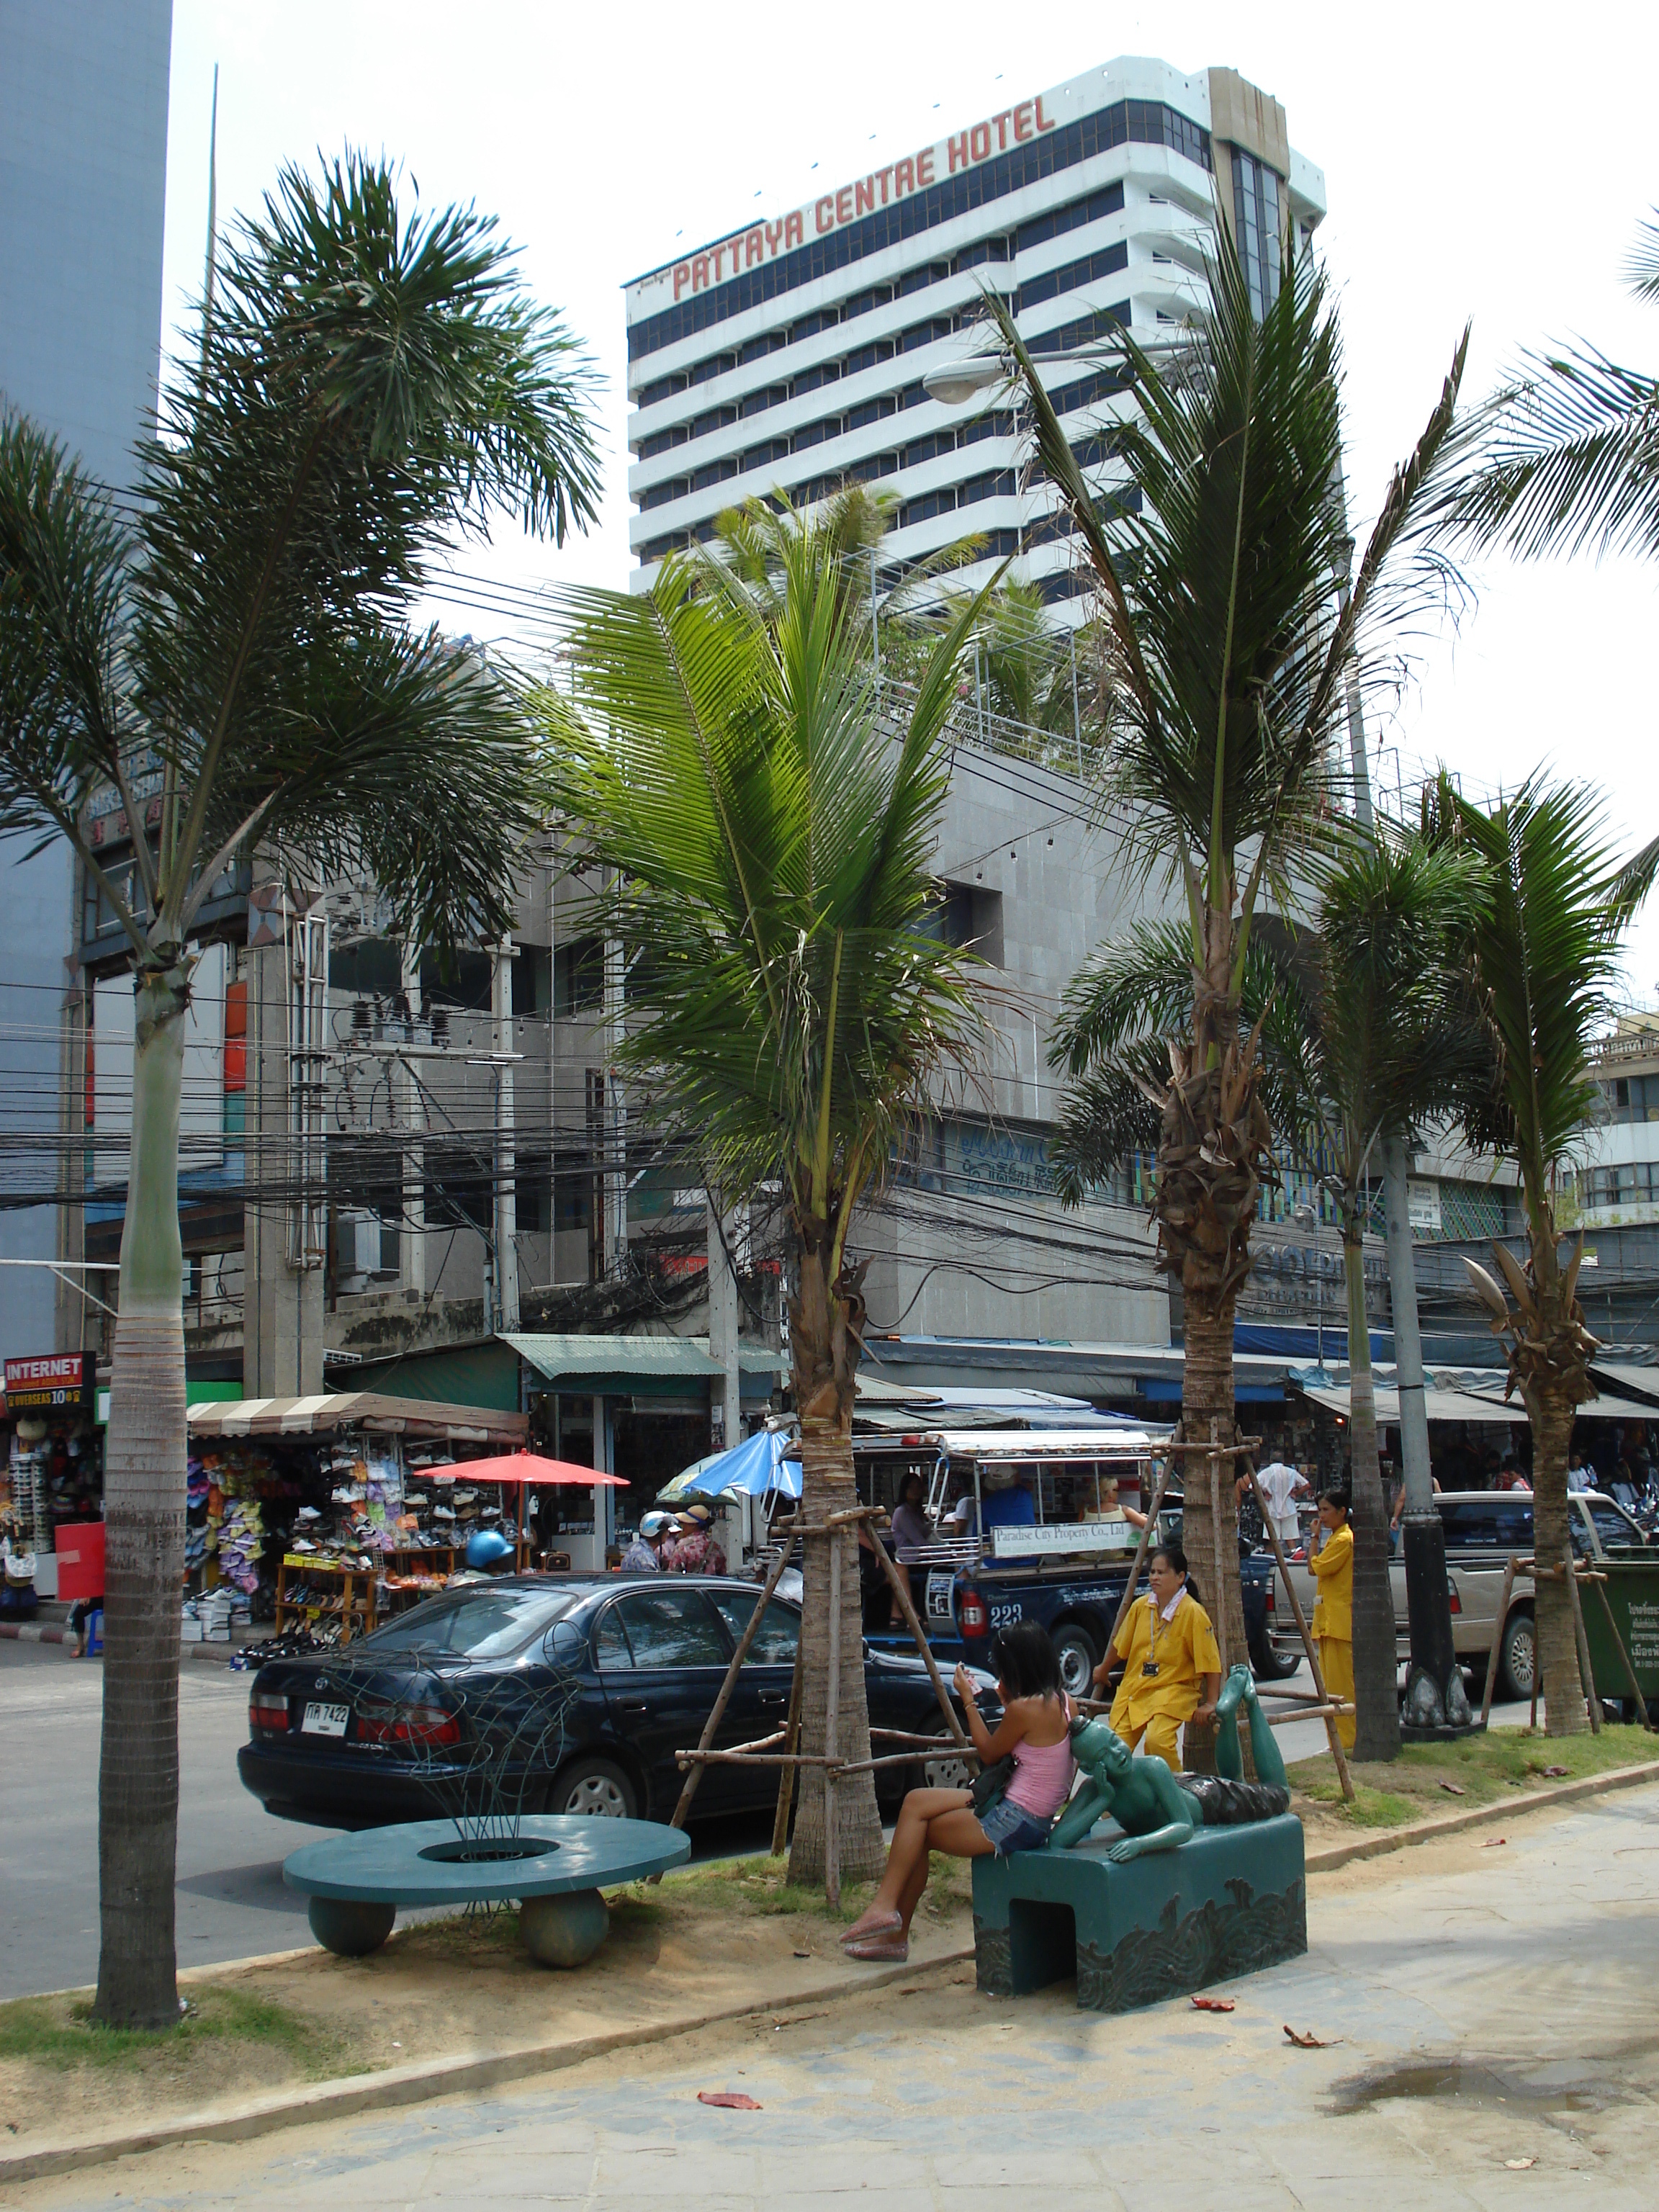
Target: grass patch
61 2031
760 1887
1428 1779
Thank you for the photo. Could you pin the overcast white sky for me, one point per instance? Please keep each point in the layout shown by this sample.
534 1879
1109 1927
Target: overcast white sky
1481 163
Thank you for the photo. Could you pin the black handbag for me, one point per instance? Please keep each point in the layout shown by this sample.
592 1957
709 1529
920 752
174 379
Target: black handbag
988 1784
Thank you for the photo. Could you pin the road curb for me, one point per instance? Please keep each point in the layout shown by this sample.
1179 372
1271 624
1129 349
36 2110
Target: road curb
426 2078
34 1631
1479 1816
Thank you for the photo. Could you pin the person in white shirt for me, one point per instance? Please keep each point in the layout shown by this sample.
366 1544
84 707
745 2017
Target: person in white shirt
1281 1485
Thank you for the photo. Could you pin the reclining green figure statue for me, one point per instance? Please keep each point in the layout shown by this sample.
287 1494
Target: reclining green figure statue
1158 1810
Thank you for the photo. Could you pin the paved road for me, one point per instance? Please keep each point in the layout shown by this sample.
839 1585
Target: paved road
1489 2013
231 1901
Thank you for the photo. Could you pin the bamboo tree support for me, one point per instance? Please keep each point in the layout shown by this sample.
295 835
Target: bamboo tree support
1140 1559
832 1732
1497 1638
1600 1584
901 1586
694 1775
787 1774
1586 1674
1338 1756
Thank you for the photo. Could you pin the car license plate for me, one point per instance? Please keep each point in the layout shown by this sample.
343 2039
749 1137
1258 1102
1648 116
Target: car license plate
938 1596
325 1720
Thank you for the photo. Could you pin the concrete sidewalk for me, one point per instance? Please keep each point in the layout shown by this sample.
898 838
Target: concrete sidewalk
1494 2003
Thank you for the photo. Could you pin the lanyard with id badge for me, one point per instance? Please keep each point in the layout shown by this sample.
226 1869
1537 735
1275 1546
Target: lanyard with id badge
1149 1664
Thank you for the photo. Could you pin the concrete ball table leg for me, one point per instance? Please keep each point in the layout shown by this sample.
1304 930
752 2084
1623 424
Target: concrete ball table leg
348 1927
566 1930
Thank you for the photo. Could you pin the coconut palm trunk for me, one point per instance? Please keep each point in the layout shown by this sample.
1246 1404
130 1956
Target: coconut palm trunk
1376 1666
824 1353
144 1541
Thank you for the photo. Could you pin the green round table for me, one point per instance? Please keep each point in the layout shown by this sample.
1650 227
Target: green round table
555 1863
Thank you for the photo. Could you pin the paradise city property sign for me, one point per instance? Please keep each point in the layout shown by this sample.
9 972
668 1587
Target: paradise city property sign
763 241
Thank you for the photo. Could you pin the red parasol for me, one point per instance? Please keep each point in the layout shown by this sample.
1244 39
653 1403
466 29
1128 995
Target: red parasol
526 1468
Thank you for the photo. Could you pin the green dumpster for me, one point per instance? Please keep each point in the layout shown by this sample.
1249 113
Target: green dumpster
1631 1590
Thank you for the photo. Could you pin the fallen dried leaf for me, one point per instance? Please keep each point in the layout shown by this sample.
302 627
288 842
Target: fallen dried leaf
802 1954
1311 2042
1494 1843
1454 1789
1557 1770
731 2101
794 2018
1212 2004
1519 2164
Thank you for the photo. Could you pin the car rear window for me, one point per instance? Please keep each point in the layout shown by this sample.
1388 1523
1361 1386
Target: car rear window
1617 1531
777 1638
1488 1527
480 1623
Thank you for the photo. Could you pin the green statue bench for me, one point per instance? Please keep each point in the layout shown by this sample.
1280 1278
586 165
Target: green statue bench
1201 1879
554 1863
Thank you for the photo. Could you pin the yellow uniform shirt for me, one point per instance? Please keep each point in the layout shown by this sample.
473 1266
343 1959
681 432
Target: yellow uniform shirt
1182 1650
1333 1565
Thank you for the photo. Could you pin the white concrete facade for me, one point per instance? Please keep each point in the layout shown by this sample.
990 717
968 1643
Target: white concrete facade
789 356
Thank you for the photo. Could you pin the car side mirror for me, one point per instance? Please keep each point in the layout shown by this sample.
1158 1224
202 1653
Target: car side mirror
564 1644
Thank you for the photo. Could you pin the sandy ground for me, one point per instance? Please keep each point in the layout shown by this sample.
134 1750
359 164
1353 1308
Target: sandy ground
1488 2045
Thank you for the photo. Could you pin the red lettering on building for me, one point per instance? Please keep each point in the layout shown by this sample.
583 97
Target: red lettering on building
925 167
700 273
793 230
755 250
719 253
979 141
904 178
844 204
774 238
682 277
959 153
886 176
1023 120
864 197
824 215
1043 122
1002 122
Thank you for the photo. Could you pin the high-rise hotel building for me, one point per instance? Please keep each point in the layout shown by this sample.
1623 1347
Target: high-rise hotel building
790 355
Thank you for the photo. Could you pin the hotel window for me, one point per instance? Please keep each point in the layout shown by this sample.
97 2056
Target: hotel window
1255 210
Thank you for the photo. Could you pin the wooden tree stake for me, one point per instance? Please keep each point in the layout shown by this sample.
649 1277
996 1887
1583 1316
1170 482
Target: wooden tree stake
1314 1669
1491 1661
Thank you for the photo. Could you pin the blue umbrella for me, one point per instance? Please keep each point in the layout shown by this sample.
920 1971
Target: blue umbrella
757 1466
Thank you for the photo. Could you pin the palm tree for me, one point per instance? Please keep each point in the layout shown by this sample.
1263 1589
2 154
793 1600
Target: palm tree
1542 948
1359 1033
369 382
769 840
1230 644
1574 460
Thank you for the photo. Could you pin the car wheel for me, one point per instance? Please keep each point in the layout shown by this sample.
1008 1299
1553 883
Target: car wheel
597 1788
1517 1655
1269 1665
1076 1652
947 1768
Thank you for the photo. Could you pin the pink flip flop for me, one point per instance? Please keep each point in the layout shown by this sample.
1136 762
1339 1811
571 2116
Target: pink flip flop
882 1948
885 1923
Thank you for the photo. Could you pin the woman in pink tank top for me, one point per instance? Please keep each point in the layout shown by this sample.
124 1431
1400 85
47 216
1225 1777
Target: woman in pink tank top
1036 1731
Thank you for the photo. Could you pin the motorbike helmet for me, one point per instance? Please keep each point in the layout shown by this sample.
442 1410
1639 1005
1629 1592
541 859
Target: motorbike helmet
487 1549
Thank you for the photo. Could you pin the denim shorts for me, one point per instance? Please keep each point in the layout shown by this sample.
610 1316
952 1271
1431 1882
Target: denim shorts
1012 1828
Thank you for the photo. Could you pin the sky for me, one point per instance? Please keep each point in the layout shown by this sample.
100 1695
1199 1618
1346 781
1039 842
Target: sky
1480 167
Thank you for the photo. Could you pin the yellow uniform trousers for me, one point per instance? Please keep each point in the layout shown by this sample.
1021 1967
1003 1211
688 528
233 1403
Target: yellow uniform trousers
1156 1733
1336 1666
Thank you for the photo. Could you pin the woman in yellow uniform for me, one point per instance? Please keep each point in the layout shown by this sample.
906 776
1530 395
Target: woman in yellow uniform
1172 1668
1332 1562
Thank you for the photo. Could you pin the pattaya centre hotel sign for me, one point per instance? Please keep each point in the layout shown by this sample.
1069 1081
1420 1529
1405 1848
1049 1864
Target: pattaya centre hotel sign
764 242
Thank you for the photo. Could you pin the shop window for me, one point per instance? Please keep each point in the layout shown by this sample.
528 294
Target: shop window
579 976
460 980
532 981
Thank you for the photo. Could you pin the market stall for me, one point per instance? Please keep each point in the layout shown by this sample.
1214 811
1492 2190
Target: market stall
315 1514
520 1478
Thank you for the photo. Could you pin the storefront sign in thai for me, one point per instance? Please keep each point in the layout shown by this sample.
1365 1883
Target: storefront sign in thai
39 1386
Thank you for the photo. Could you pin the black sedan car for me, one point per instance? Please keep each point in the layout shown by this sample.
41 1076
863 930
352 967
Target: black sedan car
551 1694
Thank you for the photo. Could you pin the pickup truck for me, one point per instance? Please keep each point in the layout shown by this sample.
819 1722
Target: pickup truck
1065 1566
1485 1529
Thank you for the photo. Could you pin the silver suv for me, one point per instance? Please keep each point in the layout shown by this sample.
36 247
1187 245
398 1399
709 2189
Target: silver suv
1485 1529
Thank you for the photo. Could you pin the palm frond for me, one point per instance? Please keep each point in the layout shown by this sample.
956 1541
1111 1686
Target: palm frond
1574 460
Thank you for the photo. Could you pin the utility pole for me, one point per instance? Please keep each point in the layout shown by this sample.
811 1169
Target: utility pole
615 1113
504 1181
1437 1703
411 1108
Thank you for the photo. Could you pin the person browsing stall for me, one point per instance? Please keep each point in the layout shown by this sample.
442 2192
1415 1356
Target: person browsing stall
1036 1731
692 1549
1330 1556
644 1555
1172 1668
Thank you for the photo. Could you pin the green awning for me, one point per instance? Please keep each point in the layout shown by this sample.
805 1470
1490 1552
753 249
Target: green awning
613 1365
479 1373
